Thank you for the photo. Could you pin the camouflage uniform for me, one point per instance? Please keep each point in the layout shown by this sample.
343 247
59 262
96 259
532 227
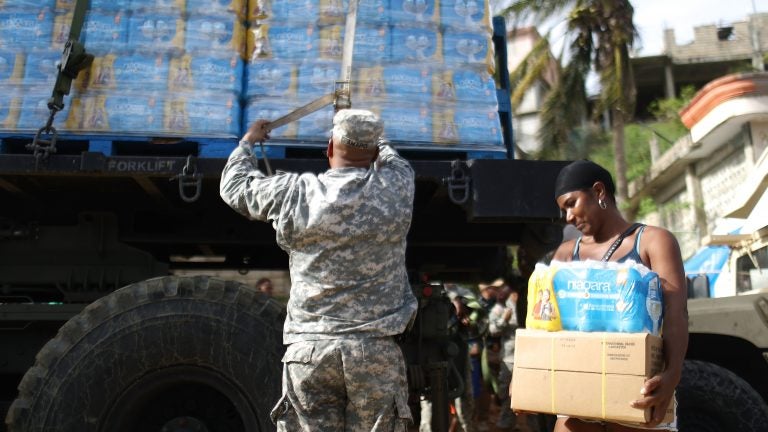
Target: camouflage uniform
345 233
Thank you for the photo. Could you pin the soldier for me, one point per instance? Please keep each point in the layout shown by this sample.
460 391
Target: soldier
345 233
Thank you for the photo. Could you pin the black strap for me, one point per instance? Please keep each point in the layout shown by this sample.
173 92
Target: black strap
620 239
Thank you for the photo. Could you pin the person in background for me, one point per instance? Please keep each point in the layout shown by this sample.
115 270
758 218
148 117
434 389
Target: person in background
345 233
503 324
584 191
264 285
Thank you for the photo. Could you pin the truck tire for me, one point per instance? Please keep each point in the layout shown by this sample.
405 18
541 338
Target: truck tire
166 354
714 399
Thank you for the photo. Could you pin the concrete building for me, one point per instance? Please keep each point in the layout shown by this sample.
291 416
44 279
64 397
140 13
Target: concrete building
715 51
526 120
717 172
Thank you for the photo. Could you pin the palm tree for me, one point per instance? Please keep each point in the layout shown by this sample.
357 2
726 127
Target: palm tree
599 36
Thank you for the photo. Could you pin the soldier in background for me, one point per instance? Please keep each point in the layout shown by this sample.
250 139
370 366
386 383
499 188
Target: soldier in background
345 232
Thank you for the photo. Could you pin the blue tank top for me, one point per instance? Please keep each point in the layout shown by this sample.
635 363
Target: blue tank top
633 255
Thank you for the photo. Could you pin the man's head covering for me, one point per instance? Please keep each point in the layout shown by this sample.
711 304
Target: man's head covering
357 128
580 175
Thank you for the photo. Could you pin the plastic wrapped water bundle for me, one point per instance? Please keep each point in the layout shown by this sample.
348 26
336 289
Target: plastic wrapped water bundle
272 108
169 7
12 67
464 84
214 34
272 78
465 14
284 11
468 48
316 125
26 4
372 43
394 82
291 42
202 114
206 72
156 32
218 7
26 29
95 5
410 123
417 44
10 104
368 11
41 67
475 125
418 11
34 110
608 296
105 30
318 78
129 71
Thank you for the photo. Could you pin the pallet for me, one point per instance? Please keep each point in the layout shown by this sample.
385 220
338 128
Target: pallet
217 148
126 145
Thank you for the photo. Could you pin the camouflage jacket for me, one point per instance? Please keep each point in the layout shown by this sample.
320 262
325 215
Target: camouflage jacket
345 234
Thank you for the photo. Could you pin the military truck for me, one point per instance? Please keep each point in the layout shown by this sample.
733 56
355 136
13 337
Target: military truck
99 334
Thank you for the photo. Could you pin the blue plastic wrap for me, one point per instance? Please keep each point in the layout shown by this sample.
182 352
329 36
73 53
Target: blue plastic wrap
465 14
11 67
317 124
34 110
206 73
468 84
27 4
407 82
317 78
416 44
271 108
467 48
10 106
214 34
613 297
41 68
408 122
478 125
124 112
156 32
218 7
272 78
27 29
284 11
172 7
372 44
416 11
105 31
282 42
136 71
202 114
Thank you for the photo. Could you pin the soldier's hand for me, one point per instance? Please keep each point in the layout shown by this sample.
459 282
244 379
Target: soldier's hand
257 132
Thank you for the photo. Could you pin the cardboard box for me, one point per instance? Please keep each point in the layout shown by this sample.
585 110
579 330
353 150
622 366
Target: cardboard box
587 375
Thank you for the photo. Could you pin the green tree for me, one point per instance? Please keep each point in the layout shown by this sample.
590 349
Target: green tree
599 35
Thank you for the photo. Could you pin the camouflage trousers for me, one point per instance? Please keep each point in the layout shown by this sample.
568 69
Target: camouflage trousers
344 385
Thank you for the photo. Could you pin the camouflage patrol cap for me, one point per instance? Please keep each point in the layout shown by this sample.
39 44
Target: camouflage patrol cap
358 128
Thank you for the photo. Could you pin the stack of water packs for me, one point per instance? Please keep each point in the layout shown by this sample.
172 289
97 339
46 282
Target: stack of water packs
425 66
161 67
210 67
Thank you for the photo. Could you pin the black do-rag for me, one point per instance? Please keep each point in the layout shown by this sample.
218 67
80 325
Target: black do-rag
580 175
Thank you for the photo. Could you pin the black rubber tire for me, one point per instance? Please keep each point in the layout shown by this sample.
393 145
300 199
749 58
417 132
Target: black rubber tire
714 399
161 353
